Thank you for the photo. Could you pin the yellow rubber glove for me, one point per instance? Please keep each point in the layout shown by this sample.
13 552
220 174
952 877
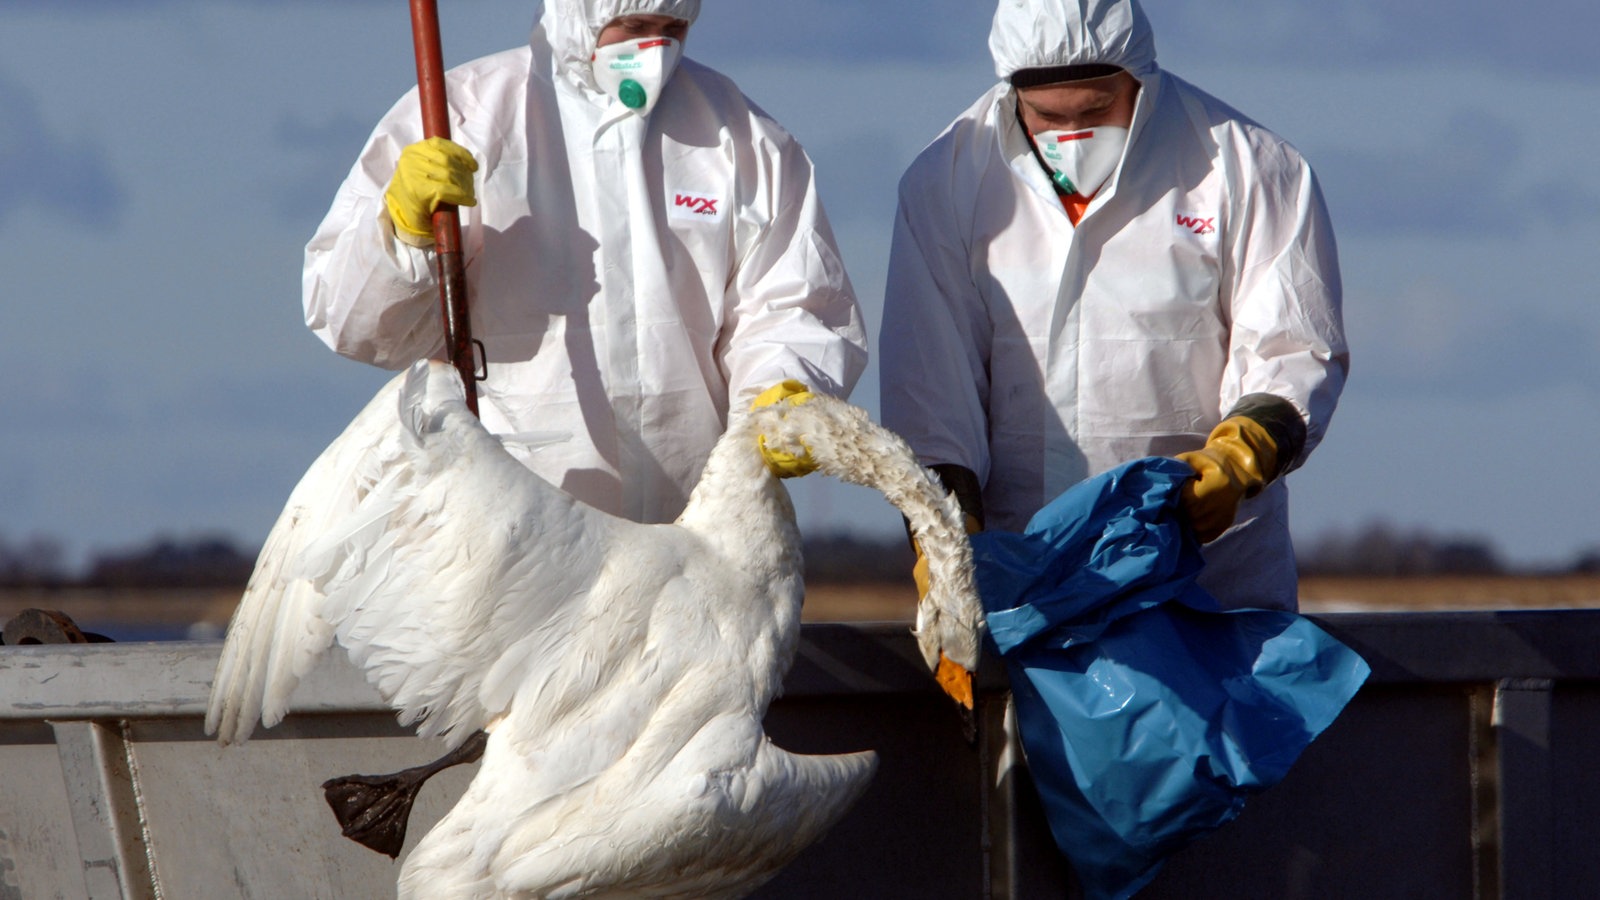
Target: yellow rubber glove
780 463
429 173
1238 460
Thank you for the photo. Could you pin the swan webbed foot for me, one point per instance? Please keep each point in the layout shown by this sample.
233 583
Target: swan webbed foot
373 809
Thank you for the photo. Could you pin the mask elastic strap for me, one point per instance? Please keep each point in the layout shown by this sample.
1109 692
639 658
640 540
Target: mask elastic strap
1038 157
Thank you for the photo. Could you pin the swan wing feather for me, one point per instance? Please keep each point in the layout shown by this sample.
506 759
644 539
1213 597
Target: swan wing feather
426 550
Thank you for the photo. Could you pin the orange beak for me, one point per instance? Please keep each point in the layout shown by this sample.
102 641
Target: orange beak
954 680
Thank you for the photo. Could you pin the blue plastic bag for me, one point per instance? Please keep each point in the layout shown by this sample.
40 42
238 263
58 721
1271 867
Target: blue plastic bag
1147 713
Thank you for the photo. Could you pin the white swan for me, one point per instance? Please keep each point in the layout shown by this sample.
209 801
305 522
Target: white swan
622 670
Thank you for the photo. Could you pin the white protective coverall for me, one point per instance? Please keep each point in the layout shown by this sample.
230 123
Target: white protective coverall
630 278
1036 353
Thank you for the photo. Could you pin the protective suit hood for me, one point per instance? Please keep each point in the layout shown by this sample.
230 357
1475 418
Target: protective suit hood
1030 34
571 28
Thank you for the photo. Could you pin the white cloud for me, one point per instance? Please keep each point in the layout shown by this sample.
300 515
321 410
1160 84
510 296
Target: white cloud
1550 36
1431 340
51 174
1477 176
320 153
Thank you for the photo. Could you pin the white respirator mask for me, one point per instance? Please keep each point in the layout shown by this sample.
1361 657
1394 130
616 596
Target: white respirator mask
635 71
1081 161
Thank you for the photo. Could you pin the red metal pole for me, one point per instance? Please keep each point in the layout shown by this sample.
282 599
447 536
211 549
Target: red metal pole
446 221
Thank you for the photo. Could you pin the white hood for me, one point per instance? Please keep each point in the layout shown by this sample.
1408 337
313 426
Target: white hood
1031 34
571 28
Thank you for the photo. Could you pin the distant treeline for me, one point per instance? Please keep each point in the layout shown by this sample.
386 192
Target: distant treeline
1377 549
164 562
1381 549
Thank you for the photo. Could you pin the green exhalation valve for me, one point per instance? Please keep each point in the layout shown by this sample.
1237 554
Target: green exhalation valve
631 93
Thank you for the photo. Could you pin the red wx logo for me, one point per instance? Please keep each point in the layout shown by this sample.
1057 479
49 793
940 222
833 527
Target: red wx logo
1197 224
700 206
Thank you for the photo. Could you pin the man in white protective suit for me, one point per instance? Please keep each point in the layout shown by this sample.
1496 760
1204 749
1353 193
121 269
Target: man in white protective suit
1098 262
645 250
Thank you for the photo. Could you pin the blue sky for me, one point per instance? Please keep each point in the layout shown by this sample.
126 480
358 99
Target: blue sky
162 163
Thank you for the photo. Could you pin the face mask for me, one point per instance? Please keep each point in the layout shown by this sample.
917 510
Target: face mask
1081 161
635 71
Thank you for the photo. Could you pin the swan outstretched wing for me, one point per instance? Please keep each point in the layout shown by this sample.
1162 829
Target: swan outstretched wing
277 631
426 550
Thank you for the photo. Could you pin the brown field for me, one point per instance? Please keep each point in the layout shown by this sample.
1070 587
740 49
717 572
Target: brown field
842 602
882 602
1449 593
